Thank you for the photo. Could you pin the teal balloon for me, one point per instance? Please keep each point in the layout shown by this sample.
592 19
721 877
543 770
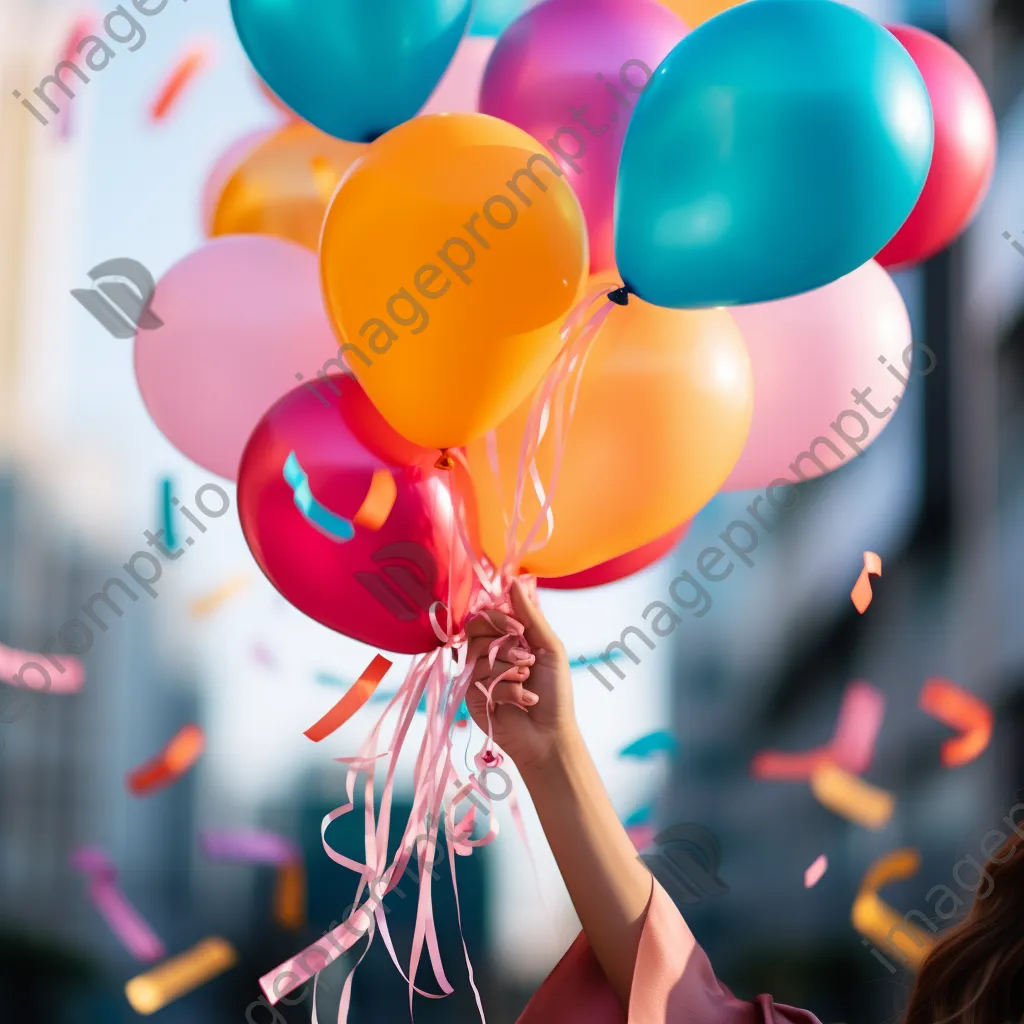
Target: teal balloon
353 68
777 148
492 17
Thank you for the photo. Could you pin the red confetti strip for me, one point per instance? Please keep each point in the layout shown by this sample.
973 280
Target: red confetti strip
958 709
361 691
194 60
180 754
83 26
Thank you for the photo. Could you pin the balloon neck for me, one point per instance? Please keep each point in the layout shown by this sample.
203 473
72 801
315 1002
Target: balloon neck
445 461
621 295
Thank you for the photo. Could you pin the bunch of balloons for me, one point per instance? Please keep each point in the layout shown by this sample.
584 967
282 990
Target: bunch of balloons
563 285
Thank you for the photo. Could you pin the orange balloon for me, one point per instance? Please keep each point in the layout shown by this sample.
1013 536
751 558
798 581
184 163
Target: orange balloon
696 12
450 256
283 187
664 408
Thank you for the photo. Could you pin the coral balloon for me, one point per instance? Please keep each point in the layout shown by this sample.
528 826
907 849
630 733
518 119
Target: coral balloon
283 187
241 316
661 417
696 12
302 472
353 68
777 148
220 173
450 255
814 356
619 568
568 72
459 91
965 151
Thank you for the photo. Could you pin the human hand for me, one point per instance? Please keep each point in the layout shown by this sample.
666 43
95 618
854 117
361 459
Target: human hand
532 709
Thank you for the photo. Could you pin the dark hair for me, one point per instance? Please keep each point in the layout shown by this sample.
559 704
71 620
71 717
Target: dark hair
975 973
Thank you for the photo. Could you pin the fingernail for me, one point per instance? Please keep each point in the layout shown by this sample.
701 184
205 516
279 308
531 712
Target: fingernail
530 698
522 672
518 654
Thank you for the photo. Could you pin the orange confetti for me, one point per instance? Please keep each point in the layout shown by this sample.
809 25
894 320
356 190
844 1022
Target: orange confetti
861 593
190 64
325 177
955 707
180 754
379 501
873 918
204 606
180 975
812 876
853 798
290 896
360 692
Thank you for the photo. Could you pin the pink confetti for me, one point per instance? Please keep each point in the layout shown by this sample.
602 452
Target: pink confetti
135 935
69 677
812 876
249 847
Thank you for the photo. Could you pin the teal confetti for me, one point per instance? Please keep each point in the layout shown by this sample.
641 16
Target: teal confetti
170 540
595 659
649 745
641 816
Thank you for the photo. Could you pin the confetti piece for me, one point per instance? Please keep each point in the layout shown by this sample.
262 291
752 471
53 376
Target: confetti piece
188 67
649 745
290 896
641 835
334 527
877 922
134 934
15 665
641 816
325 177
955 707
853 742
83 26
851 797
326 679
207 605
262 655
861 593
180 754
595 659
352 701
379 501
249 846
170 540
812 876
180 975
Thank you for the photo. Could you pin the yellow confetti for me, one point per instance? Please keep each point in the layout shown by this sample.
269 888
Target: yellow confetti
204 606
853 798
180 975
290 896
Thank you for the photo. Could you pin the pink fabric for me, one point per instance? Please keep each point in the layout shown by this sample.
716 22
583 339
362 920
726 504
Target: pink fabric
673 983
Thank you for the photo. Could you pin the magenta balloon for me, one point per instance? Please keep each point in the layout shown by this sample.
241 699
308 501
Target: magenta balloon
220 173
618 568
810 353
459 91
377 586
568 72
241 317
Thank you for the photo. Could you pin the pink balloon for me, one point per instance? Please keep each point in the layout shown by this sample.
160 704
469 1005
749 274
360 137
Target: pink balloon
812 356
459 91
375 585
241 317
569 72
224 166
620 567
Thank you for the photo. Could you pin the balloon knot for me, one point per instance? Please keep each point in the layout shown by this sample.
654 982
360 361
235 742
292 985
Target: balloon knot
621 295
445 461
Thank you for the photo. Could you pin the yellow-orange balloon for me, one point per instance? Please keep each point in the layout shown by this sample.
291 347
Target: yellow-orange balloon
450 255
696 12
284 186
662 416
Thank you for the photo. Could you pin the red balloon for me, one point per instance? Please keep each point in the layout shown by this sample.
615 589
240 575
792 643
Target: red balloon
621 567
303 477
964 156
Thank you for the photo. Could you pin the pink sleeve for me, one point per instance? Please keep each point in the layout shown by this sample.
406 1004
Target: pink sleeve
673 983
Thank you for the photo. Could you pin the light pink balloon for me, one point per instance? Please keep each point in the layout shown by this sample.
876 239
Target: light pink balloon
241 317
224 166
809 353
459 91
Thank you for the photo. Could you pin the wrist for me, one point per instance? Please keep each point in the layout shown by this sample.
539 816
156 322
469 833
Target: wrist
567 751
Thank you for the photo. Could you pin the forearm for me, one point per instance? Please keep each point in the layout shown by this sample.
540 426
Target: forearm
609 885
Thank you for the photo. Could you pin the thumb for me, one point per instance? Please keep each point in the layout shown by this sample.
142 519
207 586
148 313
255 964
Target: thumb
539 635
